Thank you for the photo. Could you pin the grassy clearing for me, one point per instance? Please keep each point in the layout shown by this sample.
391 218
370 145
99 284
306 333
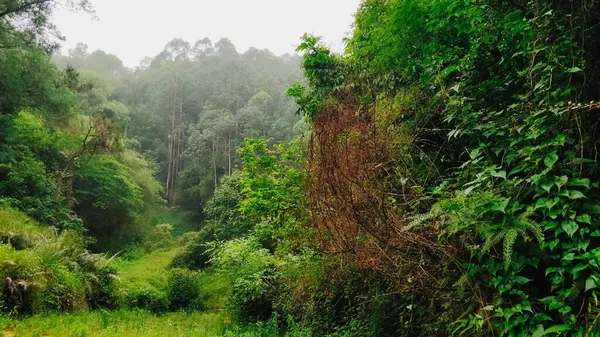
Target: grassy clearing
150 268
116 324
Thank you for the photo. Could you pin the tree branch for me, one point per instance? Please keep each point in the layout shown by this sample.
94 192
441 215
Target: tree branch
22 7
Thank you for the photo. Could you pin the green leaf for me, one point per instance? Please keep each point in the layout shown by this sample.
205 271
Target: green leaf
574 194
570 227
561 181
551 159
580 182
500 206
499 174
578 268
590 284
584 218
557 328
547 186
550 203
592 208
574 70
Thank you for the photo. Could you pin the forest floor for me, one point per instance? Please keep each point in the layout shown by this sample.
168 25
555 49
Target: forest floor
103 323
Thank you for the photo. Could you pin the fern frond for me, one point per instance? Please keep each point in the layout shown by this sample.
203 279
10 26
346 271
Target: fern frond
576 290
491 240
417 220
509 242
534 228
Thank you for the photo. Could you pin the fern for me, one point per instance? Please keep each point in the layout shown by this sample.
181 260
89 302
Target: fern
509 242
417 221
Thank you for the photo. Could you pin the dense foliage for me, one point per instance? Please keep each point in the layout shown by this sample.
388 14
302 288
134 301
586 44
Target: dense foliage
441 179
462 134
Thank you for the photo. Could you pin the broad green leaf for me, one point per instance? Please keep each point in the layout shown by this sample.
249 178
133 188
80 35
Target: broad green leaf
500 206
578 268
561 181
550 203
580 182
551 159
584 218
547 186
570 227
590 284
574 194
499 174
574 70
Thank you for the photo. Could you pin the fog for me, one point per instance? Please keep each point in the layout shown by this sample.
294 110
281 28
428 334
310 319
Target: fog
134 29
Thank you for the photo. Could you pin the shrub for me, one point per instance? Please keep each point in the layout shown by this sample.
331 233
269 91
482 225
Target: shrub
184 290
160 238
51 271
196 254
251 268
148 298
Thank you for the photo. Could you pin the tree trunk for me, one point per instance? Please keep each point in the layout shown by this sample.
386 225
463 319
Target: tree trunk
214 155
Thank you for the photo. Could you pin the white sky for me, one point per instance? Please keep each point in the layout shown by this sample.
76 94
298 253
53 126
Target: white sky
134 29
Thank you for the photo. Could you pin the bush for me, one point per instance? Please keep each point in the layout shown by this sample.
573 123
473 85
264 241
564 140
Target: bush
160 238
184 290
148 298
196 254
50 271
252 270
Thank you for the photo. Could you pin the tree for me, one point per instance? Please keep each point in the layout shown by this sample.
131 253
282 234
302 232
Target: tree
32 17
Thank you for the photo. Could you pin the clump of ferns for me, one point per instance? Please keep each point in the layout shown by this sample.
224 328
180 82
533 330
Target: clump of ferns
493 219
508 232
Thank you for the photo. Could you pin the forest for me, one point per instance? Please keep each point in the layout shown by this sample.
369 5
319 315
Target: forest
440 176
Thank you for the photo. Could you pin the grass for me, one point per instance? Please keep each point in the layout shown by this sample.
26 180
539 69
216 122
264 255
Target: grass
216 288
153 269
15 225
146 269
150 268
122 323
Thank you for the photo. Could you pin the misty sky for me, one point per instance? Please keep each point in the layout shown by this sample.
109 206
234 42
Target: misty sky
134 29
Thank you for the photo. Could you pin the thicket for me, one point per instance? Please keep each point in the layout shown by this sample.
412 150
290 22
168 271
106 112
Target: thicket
450 176
43 270
454 155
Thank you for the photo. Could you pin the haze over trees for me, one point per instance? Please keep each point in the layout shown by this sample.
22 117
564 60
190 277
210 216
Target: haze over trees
192 105
438 178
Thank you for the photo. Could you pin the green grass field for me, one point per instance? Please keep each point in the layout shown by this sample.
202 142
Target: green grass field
116 324
151 268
